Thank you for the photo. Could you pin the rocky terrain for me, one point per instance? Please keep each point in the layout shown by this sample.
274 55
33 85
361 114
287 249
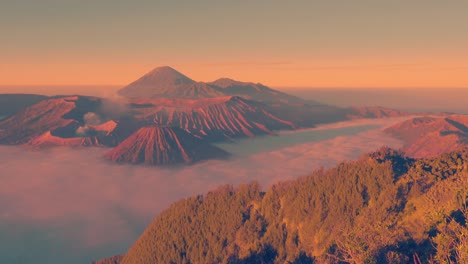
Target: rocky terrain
67 121
214 119
431 136
156 145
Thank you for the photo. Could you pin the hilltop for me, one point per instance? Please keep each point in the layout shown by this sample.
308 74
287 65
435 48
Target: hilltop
383 208
431 136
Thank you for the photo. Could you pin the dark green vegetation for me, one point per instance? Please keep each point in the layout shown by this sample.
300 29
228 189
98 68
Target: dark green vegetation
383 208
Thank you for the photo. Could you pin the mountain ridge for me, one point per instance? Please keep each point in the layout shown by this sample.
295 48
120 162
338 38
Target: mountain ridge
215 119
67 120
382 208
166 82
431 136
255 91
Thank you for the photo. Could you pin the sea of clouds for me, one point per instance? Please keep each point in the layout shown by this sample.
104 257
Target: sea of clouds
67 205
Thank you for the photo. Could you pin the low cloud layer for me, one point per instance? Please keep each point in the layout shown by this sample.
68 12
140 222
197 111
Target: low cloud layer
72 206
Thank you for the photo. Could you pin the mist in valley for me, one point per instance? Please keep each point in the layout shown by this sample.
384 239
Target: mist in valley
72 206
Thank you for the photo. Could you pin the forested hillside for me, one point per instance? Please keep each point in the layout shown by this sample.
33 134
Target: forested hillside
383 208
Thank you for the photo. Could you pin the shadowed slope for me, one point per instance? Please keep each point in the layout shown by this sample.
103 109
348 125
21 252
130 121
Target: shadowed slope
12 103
166 82
154 145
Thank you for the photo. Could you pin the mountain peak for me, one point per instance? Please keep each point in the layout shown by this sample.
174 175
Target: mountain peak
165 75
167 71
166 82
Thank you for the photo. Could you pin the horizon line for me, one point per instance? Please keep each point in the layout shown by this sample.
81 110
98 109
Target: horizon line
272 86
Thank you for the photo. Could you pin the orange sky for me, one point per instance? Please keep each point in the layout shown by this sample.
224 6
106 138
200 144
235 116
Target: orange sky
445 72
301 44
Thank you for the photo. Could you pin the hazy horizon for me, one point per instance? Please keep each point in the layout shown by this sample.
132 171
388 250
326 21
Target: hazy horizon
409 99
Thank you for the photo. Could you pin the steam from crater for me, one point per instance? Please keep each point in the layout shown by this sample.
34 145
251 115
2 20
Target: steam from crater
90 119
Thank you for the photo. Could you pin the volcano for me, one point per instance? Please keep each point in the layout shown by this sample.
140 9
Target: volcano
37 119
156 145
212 118
69 121
165 82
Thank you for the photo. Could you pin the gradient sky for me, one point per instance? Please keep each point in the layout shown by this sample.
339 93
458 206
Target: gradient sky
326 43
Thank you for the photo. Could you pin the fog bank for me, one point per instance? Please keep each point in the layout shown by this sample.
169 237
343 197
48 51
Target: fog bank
72 206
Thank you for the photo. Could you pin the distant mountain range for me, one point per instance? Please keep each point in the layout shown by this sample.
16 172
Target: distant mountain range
166 82
170 102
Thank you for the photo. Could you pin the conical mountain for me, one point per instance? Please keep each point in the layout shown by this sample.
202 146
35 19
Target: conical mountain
155 145
166 82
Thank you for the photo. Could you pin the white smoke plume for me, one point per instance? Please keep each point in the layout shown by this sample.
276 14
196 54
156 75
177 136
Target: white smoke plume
90 119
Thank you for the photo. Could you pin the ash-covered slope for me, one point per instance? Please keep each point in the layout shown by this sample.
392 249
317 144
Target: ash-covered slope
212 118
431 136
155 145
165 82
